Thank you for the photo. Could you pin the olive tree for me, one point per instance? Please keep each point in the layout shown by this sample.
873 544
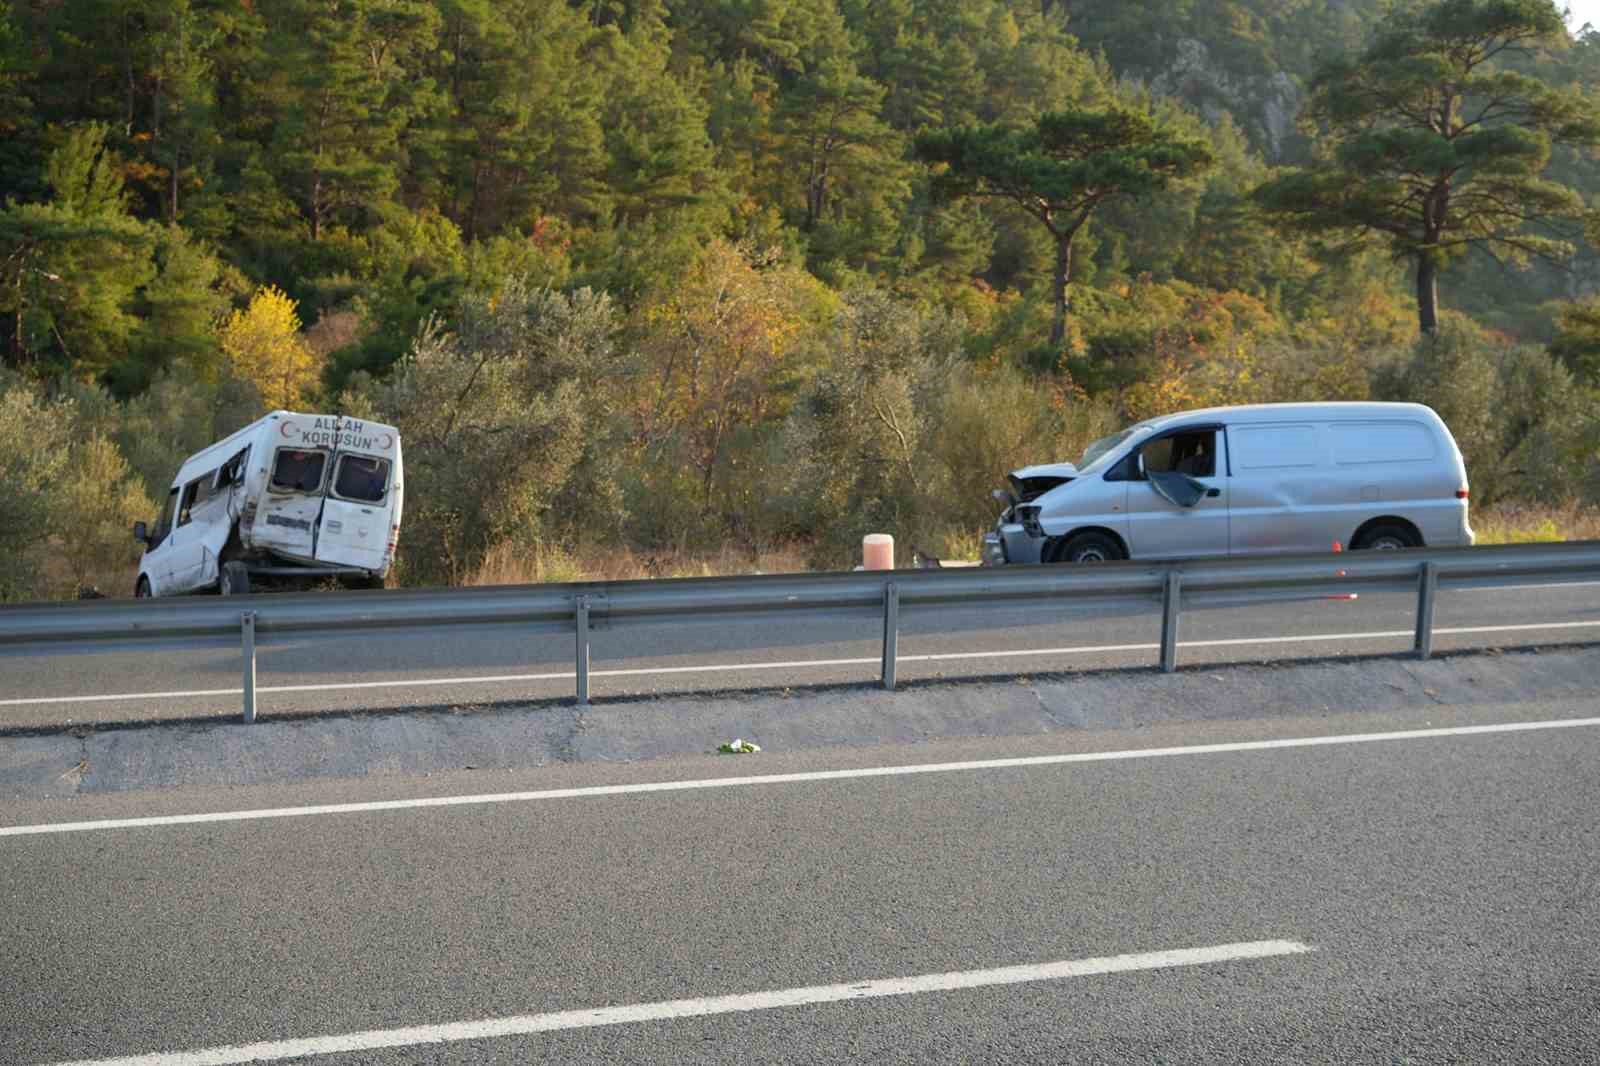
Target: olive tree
503 417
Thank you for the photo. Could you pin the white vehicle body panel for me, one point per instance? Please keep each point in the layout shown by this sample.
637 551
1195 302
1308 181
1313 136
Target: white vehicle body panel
230 500
1277 478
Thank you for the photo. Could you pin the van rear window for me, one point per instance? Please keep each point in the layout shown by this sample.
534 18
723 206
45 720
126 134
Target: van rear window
362 478
298 471
1361 443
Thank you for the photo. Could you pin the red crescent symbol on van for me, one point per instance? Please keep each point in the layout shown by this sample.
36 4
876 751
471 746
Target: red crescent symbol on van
287 426
388 439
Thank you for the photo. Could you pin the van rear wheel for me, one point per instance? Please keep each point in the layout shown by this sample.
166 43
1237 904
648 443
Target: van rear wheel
1388 537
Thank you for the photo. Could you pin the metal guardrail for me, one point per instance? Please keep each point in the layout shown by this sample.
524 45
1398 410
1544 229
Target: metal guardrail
579 607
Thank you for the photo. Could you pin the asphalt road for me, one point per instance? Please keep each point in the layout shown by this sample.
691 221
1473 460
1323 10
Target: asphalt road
489 665
1426 899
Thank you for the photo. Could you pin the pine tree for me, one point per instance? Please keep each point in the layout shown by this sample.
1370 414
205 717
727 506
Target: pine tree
1060 170
342 81
1433 147
70 268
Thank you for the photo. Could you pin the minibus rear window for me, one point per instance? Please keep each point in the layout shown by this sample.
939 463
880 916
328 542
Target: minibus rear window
298 471
362 478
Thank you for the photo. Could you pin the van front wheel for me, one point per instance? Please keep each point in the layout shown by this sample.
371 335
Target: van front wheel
1387 538
142 589
1089 548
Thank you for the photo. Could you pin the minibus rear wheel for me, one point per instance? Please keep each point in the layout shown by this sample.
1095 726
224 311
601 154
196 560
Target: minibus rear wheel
235 579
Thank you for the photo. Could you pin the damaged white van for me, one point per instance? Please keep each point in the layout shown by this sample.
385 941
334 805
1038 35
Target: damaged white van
1267 478
289 498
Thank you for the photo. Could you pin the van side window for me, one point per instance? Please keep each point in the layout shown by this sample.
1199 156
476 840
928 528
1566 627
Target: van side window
194 494
169 515
1125 469
298 471
1192 453
233 468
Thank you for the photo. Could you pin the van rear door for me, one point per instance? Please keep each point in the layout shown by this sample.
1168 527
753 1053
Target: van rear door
287 517
355 516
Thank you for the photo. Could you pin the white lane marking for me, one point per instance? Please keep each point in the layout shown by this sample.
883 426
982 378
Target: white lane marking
1546 585
530 1024
797 664
783 779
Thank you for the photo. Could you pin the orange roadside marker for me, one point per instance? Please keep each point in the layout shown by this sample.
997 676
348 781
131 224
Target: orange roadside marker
1337 549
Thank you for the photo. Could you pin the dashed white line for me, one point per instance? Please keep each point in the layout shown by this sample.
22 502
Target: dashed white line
782 779
531 1024
797 664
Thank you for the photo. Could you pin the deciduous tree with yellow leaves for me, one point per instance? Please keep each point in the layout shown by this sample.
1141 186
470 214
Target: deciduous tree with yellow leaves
264 346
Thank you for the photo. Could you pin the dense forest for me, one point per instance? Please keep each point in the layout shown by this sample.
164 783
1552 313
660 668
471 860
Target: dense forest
680 276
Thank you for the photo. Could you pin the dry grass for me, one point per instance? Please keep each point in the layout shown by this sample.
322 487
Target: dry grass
1512 524
508 564
57 579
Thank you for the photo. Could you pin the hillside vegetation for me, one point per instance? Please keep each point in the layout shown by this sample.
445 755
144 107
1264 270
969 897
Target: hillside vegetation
683 277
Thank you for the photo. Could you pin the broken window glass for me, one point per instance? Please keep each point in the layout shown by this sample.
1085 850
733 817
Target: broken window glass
298 471
362 478
193 496
233 470
1179 489
1173 462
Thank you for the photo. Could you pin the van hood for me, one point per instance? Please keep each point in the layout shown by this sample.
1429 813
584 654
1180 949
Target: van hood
1030 482
1064 471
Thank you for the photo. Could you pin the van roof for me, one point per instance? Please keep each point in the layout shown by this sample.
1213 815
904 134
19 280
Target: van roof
1325 411
216 454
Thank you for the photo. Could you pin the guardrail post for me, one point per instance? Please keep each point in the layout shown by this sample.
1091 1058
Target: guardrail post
1169 621
583 648
247 633
891 632
1427 584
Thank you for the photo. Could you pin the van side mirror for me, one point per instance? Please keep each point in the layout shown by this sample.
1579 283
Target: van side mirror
1138 463
141 532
